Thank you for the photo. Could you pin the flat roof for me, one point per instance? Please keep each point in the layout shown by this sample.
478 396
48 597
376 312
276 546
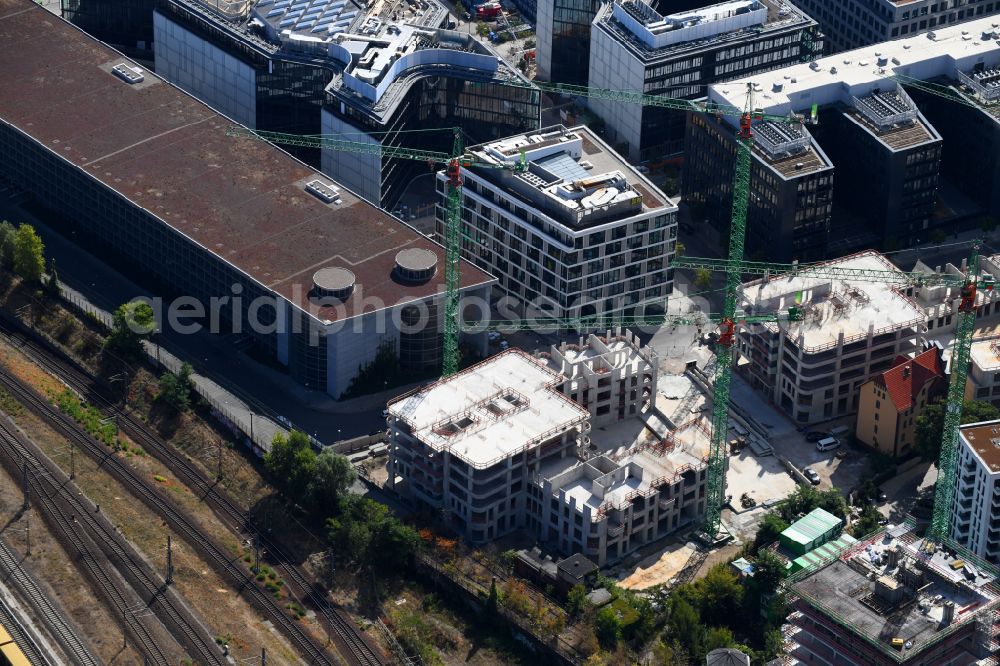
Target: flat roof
811 526
838 78
986 353
984 440
653 36
832 307
572 175
844 589
490 411
241 199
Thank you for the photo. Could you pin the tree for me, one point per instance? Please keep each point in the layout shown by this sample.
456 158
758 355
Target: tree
719 637
366 533
833 501
7 235
770 529
768 570
867 522
29 254
175 390
721 594
679 249
608 626
494 598
332 477
685 625
930 424
291 463
132 323
52 284
702 279
577 602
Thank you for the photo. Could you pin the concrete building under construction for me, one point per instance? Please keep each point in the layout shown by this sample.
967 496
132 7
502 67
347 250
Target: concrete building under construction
813 369
505 445
888 600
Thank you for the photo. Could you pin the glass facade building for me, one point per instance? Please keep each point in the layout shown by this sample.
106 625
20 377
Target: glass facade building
125 24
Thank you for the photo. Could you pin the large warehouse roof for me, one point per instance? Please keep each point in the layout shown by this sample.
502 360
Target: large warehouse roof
165 151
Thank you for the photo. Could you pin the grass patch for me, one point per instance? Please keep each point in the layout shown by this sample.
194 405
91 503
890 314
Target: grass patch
9 404
90 418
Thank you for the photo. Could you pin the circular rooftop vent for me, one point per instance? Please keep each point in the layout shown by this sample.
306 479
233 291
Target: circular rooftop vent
335 282
415 264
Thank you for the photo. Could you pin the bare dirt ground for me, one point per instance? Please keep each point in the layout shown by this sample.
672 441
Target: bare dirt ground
230 617
658 568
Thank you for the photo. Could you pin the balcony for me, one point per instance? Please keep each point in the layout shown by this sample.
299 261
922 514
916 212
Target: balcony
666 504
615 530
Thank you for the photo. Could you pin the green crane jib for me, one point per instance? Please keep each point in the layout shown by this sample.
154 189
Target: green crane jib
453 220
969 285
820 270
642 99
716 477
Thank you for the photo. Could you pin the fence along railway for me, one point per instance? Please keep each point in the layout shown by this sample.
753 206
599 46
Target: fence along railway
350 642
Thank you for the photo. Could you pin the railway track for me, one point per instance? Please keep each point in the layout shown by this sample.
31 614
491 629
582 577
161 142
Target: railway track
21 635
79 546
351 644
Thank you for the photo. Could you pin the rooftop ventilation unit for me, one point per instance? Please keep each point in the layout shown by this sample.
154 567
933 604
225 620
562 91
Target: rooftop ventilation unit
130 75
322 191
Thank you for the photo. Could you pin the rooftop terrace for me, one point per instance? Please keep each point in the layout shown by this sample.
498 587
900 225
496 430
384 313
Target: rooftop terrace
508 403
888 587
572 174
242 200
833 307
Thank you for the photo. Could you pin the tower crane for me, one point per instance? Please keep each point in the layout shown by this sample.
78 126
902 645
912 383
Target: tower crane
968 286
727 319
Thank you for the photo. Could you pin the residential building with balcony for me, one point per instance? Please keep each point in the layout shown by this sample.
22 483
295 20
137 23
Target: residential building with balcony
635 47
574 233
813 369
891 401
975 519
505 446
386 73
867 121
851 24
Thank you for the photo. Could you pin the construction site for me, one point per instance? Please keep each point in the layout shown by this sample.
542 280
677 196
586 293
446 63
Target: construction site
894 598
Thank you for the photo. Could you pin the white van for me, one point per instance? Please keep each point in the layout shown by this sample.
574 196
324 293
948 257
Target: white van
827 443
838 431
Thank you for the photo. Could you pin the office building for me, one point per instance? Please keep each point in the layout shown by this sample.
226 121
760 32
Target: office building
850 330
888 197
635 47
975 519
893 600
577 232
851 24
125 24
892 400
505 445
388 74
318 279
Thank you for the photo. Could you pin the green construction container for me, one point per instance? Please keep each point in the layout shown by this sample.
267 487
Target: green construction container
811 531
828 550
